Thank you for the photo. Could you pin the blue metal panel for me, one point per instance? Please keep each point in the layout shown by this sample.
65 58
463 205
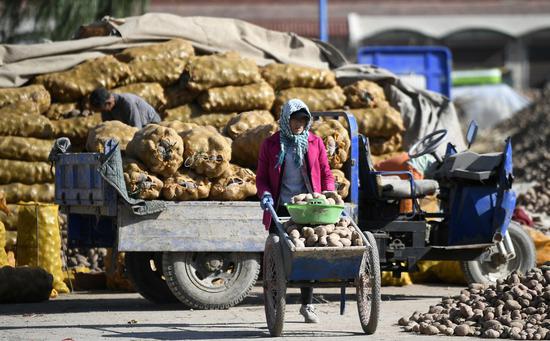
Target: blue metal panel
314 268
323 20
432 62
91 231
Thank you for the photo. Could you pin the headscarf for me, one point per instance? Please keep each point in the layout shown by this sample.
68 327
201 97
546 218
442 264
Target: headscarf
288 139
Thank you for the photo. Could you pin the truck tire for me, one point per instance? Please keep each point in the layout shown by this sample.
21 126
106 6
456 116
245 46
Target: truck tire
488 272
145 272
211 280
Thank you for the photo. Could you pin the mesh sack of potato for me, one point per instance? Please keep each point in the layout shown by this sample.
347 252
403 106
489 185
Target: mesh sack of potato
182 113
205 72
159 148
179 126
364 94
186 186
341 234
216 120
163 71
21 97
206 151
104 131
139 183
16 192
385 145
28 126
246 147
247 120
58 111
284 76
341 183
175 48
21 109
71 85
258 96
380 121
235 184
25 148
76 128
177 95
336 139
25 285
315 99
152 93
116 273
27 172
3 254
9 217
39 240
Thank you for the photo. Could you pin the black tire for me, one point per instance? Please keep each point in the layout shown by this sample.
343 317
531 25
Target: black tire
488 272
368 287
208 280
274 286
145 272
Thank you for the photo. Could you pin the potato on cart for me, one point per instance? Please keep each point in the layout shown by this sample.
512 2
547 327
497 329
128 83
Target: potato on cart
320 246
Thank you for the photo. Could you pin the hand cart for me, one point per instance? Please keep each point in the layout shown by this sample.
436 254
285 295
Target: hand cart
288 266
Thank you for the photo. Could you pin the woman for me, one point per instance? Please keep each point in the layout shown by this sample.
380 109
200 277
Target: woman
293 161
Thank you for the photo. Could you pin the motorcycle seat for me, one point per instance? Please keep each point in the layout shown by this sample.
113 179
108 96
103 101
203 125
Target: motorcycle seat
397 188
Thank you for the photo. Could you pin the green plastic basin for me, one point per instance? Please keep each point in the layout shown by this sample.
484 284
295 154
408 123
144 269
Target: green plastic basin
315 214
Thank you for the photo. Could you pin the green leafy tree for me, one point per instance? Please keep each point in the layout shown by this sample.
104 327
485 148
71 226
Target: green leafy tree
29 21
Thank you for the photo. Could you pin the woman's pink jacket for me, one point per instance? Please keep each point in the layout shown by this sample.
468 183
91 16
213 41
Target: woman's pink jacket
268 176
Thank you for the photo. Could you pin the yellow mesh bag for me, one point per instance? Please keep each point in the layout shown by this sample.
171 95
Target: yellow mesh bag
159 148
246 147
336 140
9 217
3 254
115 272
139 183
341 183
71 85
152 93
175 48
58 111
382 121
179 126
76 128
27 172
182 113
385 145
364 94
104 131
247 120
316 99
27 126
177 95
16 192
235 184
206 151
258 96
25 148
205 72
284 76
216 120
39 240
189 186
19 98
163 71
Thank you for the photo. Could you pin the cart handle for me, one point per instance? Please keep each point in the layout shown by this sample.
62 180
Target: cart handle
275 217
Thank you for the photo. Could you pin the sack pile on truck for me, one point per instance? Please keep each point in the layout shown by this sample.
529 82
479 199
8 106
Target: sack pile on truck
246 146
27 100
186 186
206 151
139 183
104 131
235 184
247 120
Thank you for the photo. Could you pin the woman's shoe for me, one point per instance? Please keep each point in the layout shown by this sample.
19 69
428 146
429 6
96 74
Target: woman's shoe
308 312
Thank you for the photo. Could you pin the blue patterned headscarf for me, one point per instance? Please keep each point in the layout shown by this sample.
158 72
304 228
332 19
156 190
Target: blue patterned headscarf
288 139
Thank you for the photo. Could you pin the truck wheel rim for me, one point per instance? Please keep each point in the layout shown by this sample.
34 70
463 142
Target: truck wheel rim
493 271
212 272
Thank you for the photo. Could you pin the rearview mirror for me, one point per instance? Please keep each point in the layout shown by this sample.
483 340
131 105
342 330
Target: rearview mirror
472 133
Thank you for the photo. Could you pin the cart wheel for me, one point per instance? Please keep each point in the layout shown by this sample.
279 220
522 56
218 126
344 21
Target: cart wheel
274 286
368 287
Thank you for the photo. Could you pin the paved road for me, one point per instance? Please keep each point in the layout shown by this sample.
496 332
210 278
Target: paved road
123 316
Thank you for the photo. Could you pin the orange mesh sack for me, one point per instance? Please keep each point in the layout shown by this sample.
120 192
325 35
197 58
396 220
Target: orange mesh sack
16 192
336 139
28 126
27 172
163 71
206 151
39 240
247 120
257 96
236 184
98 135
246 147
152 93
159 148
33 99
284 76
188 186
381 121
364 94
139 183
316 99
76 128
205 72
71 85
175 48
25 148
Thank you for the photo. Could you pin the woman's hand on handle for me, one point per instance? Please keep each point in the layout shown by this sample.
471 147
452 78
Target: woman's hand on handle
266 199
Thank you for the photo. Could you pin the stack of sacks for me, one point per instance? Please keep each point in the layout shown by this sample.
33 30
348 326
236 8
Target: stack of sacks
104 131
316 87
376 119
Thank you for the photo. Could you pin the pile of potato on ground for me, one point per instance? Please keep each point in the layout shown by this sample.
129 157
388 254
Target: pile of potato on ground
515 308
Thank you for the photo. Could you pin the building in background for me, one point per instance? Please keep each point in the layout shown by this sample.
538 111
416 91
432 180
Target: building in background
513 35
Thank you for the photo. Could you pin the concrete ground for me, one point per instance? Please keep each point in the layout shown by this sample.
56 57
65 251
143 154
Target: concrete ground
124 316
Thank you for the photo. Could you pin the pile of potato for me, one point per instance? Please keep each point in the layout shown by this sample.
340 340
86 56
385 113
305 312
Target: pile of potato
328 198
515 308
341 234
